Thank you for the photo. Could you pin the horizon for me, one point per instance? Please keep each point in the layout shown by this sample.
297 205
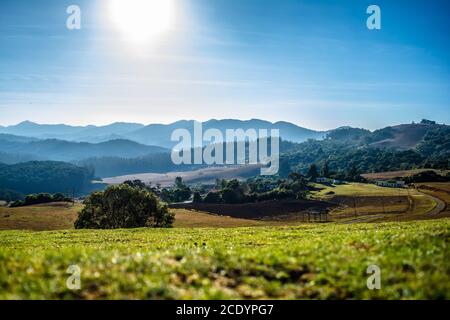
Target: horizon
307 62
212 119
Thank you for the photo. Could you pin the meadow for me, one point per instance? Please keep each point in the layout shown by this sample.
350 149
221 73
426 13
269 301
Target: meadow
318 261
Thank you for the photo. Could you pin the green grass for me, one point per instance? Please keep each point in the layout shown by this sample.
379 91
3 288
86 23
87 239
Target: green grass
310 261
358 189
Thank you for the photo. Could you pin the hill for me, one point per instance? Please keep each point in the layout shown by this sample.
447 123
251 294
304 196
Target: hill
402 136
61 150
352 151
45 176
88 133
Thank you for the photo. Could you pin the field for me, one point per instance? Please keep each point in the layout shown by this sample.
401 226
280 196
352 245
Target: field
208 256
369 202
311 261
54 216
59 216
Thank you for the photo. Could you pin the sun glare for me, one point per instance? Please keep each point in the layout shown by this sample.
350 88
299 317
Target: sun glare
141 21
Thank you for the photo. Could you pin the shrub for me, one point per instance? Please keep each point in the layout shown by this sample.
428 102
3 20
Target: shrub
40 198
123 206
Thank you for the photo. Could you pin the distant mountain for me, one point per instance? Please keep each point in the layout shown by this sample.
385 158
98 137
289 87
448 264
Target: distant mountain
153 134
61 150
88 133
14 138
159 134
31 129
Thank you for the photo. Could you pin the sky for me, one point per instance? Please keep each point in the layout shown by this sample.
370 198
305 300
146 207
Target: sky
311 62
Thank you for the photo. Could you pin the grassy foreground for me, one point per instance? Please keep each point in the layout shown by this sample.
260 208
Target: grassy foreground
308 261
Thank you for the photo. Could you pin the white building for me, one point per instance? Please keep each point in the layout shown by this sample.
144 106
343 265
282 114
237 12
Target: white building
391 184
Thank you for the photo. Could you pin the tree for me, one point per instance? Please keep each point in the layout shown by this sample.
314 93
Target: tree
212 197
136 184
197 198
325 170
312 172
123 206
179 182
284 169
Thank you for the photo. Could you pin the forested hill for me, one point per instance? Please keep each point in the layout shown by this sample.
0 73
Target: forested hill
45 176
61 150
424 145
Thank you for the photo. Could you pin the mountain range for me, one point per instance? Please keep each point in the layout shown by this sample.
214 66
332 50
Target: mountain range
153 134
151 144
134 148
17 147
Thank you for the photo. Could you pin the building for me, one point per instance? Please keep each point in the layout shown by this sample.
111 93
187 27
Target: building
391 184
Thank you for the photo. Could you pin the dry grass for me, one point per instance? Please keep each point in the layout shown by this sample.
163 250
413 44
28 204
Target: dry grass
59 216
52 216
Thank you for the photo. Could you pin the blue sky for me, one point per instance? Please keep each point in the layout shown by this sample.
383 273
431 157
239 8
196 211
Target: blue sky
311 62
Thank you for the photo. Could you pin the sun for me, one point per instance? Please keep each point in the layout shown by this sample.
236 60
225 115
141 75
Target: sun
141 21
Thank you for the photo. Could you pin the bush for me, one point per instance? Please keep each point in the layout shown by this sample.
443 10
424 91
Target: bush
123 206
40 198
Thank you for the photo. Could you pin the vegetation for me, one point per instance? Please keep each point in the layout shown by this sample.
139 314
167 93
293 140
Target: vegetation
349 152
116 166
40 198
180 192
45 176
123 206
258 189
309 261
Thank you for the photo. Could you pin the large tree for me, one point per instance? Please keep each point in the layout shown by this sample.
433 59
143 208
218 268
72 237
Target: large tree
123 206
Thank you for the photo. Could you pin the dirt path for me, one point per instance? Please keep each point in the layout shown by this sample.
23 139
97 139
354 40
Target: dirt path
440 205
437 209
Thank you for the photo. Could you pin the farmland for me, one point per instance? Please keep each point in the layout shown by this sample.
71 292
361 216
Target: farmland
207 256
380 204
385 204
320 261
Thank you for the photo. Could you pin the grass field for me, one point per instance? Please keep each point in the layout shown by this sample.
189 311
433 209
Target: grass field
58 216
310 261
